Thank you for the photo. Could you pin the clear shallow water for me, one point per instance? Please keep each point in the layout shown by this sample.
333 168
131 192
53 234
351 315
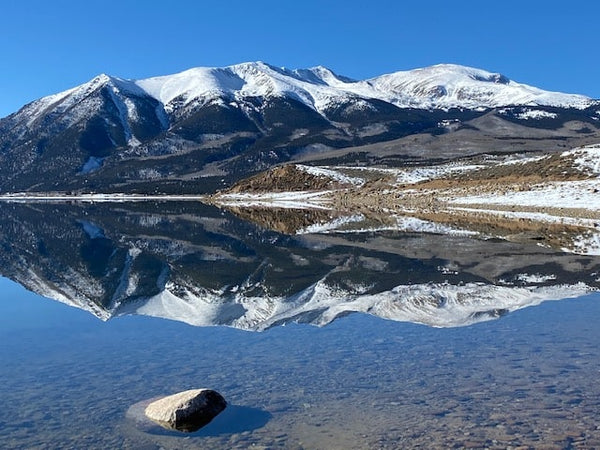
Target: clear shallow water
529 378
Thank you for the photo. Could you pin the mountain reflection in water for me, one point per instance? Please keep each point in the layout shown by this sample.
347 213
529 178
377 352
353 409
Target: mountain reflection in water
198 264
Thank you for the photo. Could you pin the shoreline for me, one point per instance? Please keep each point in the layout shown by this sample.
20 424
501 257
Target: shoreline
551 200
99 198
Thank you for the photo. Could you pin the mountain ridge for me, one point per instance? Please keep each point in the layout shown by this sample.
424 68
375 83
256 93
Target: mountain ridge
422 88
205 128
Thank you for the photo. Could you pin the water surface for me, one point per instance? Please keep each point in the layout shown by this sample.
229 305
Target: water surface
520 372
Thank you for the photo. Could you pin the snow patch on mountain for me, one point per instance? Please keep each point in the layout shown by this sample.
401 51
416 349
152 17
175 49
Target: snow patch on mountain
75 105
193 309
330 173
191 84
128 282
536 114
36 108
535 278
78 293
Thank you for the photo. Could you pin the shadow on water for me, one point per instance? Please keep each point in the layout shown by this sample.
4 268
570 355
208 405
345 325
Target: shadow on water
234 419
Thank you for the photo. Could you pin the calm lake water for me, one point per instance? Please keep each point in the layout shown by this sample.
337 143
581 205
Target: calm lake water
313 340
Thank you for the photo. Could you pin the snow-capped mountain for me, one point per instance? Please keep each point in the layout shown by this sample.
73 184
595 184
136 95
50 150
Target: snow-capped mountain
453 86
234 120
442 86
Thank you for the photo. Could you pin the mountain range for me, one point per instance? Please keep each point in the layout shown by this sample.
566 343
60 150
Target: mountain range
204 128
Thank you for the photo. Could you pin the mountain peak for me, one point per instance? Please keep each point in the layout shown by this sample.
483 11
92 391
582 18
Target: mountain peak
456 70
249 66
101 79
325 75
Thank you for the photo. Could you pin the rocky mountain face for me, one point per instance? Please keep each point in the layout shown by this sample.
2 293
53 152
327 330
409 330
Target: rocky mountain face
200 265
204 128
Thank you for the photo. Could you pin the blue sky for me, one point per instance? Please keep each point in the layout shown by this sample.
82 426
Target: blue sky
50 46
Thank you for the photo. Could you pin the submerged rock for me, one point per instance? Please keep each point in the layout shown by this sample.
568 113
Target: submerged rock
186 411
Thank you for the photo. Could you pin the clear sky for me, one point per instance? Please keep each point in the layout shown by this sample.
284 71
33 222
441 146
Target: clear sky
49 46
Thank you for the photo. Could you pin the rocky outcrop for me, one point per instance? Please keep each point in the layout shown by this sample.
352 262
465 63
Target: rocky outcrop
288 178
186 411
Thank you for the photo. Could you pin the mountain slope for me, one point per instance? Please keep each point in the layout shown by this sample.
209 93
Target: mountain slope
193 131
72 132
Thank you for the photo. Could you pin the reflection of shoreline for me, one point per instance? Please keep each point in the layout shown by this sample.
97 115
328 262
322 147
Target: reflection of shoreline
552 200
580 236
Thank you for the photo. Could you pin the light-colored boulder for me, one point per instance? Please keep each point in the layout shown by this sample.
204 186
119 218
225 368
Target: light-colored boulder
187 410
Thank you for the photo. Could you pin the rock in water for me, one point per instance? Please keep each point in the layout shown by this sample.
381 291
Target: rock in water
186 411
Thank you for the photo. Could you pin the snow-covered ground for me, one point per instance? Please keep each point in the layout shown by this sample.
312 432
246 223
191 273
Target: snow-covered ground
586 158
286 200
569 194
535 278
419 174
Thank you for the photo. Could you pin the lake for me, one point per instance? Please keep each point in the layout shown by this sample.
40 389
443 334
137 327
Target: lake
367 339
